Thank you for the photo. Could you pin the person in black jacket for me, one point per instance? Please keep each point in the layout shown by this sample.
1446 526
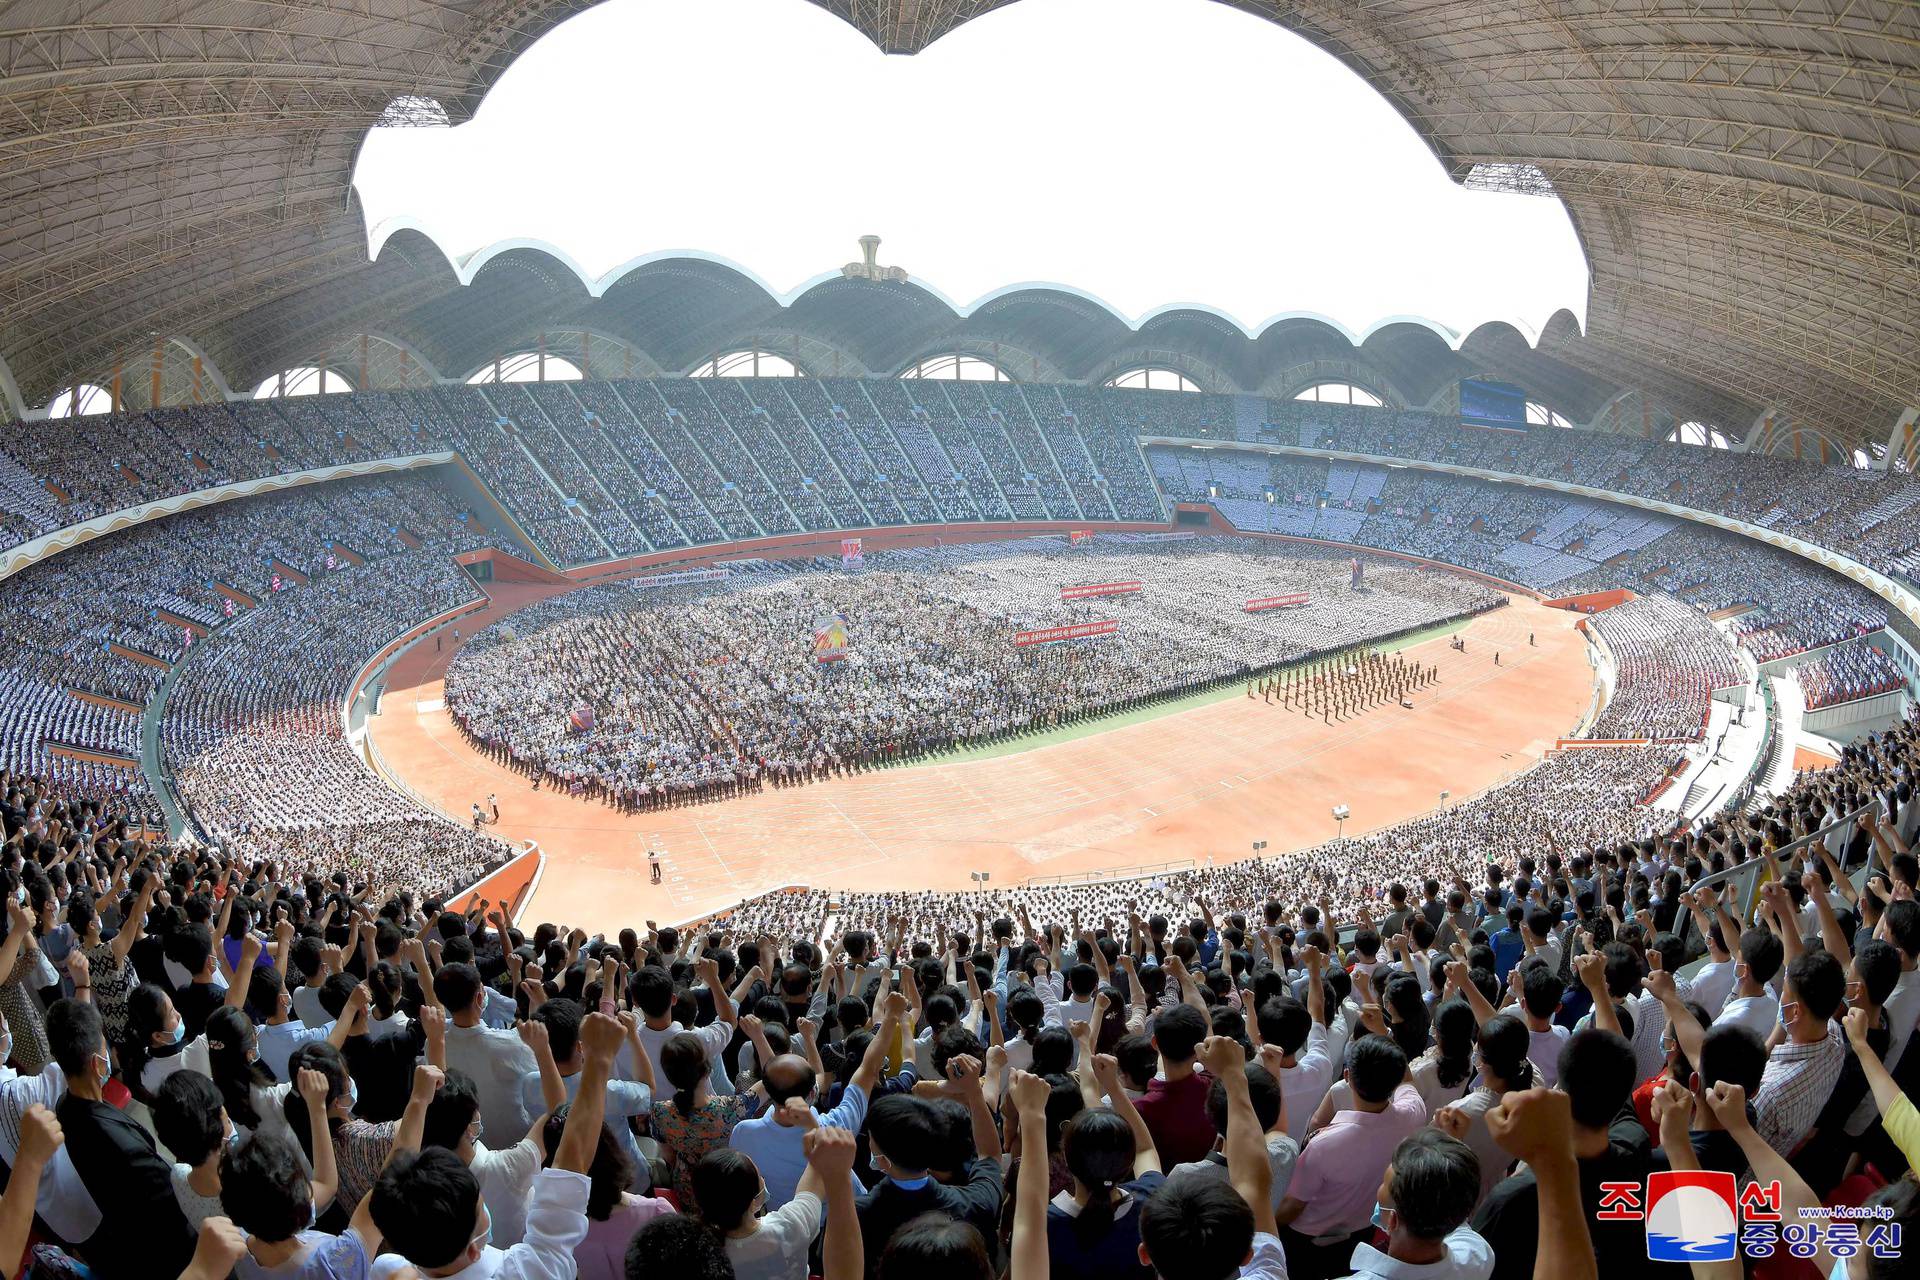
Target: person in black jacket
143 1233
910 1137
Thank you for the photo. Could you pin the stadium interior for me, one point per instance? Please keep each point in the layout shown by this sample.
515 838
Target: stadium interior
439 691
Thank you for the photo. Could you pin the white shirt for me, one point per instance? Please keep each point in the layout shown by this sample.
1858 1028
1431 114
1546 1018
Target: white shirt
1713 984
1302 1085
778 1249
556 1224
1468 1258
1758 1014
715 1036
1543 1051
63 1203
496 1060
1269 1260
506 1178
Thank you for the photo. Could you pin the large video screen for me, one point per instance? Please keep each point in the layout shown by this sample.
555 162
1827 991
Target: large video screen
1492 404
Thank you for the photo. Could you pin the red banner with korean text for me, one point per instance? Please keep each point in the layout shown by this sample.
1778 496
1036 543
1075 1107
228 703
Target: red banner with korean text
1079 537
1078 631
1089 590
1272 602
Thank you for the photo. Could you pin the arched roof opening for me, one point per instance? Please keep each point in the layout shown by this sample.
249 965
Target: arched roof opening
750 362
957 367
1340 393
1699 433
303 380
1539 415
526 366
1153 378
80 402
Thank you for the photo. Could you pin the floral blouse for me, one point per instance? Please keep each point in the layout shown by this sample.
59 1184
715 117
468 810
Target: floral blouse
688 1138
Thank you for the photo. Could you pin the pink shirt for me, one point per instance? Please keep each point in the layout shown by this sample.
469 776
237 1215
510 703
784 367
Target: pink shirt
603 1254
1339 1173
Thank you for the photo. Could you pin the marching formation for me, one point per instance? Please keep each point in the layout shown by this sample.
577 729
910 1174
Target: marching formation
1346 683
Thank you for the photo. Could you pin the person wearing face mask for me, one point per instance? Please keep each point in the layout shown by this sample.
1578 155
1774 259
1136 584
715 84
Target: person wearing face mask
505 1173
428 1205
1425 1198
267 1192
1804 1063
116 1159
761 1245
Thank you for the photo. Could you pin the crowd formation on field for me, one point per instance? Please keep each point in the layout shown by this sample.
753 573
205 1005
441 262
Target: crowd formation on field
706 688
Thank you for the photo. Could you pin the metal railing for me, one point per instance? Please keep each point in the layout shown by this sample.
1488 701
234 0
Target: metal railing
1747 877
1104 875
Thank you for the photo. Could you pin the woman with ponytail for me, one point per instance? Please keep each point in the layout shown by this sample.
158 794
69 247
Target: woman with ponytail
694 1122
1504 1068
1115 1170
1443 1073
386 987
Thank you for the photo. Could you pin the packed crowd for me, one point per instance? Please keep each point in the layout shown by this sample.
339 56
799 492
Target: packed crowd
1667 659
1843 675
66 683
1444 1065
254 743
655 464
705 689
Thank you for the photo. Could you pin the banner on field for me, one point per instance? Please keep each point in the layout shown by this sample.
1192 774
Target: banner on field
1078 631
850 557
1273 602
678 575
1089 590
1077 537
830 638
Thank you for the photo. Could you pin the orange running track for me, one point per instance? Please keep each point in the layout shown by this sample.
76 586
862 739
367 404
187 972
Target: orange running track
1201 783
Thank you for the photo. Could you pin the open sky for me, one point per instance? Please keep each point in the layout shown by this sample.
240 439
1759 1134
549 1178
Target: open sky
1149 152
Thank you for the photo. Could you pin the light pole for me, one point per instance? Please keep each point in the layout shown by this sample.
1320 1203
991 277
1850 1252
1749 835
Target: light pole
1340 815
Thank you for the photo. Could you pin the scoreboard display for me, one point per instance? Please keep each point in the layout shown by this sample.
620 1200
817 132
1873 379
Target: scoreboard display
1500 405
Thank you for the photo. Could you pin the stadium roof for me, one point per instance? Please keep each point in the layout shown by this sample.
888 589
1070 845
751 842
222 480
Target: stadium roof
1743 177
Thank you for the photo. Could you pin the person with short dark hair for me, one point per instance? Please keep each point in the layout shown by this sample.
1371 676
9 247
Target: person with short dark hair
1802 1072
191 1123
1596 1071
1331 1198
1751 1003
266 1191
905 1139
1425 1199
142 1231
1175 1105
496 1060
